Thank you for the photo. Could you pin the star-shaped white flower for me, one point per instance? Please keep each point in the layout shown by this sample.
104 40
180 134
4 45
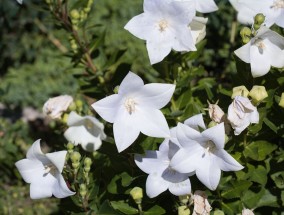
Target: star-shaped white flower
273 10
136 108
241 113
161 175
266 49
43 172
203 152
164 26
87 131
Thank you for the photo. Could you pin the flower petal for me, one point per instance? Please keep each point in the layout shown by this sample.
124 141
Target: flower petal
157 51
131 82
275 53
34 152
152 122
60 189
155 185
244 52
107 108
180 188
155 95
208 172
226 162
259 61
195 122
42 188
58 159
216 134
205 6
187 136
125 129
30 170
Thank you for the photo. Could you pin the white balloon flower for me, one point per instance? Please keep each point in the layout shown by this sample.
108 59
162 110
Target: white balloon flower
54 107
161 175
241 113
136 108
43 172
266 49
203 152
87 131
165 26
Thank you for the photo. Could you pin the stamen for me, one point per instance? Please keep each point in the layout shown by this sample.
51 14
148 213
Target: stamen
49 168
163 24
278 4
210 147
130 105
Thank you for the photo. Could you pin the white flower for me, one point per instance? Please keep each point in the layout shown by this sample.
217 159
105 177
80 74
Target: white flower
202 6
161 175
203 152
273 10
87 131
198 28
43 172
201 204
54 107
164 26
216 113
241 114
266 49
136 108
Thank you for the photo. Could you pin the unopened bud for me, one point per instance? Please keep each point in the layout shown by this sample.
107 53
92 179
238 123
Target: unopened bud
79 104
258 93
215 113
70 147
115 90
87 162
256 26
281 103
65 118
83 190
246 34
183 210
72 107
240 91
75 14
259 18
184 199
75 157
218 212
137 194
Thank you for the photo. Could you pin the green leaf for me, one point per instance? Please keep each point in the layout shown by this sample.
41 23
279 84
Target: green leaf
156 210
270 124
236 190
268 200
250 199
282 197
278 179
259 150
106 209
259 175
123 207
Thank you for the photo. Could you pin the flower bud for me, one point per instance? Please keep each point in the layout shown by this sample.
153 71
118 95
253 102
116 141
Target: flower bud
65 118
184 199
256 26
218 212
215 113
70 147
74 14
116 89
183 210
75 157
72 107
87 162
259 18
258 93
281 103
245 34
79 104
137 194
83 190
240 91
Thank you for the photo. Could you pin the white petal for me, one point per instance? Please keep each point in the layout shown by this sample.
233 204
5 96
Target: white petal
280 20
125 129
244 52
216 134
183 40
275 53
205 6
42 188
155 185
208 172
141 25
245 16
35 153
259 61
180 188
107 107
151 162
195 122
198 28
155 95
58 159
157 51
152 122
131 82
60 189
254 116
187 136
151 5
226 162
30 170
185 161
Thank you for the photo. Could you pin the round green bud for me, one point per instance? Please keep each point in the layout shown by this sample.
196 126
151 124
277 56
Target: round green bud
76 165
245 40
115 90
75 157
240 91
87 162
72 106
70 146
184 199
258 93
256 26
65 118
74 14
245 32
183 210
83 190
87 9
87 169
137 194
259 18
79 103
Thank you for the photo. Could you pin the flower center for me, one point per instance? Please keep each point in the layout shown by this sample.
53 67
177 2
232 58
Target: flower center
163 24
49 168
130 105
89 125
278 4
210 147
